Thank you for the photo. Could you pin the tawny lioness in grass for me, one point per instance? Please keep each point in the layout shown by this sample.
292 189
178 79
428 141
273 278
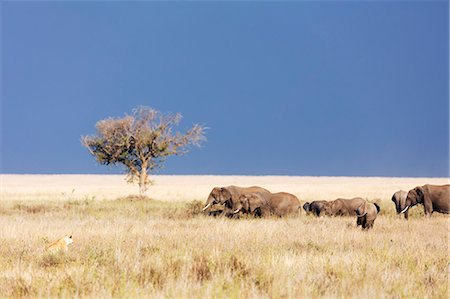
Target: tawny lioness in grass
60 245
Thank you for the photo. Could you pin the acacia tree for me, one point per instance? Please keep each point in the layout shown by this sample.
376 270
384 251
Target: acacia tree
140 142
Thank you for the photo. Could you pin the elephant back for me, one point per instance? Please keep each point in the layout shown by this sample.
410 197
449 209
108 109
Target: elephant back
236 191
283 203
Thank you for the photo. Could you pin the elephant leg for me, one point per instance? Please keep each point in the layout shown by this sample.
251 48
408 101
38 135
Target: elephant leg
258 213
428 208
368 224
341 213
229 214
358 221
364 222
215 213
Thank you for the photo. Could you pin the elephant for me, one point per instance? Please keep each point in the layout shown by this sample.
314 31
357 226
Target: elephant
399 199
279 204
366 214
228 196
343 207
215 213
316 207
434 199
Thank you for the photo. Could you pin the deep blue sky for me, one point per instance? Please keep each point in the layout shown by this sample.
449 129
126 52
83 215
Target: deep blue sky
289 88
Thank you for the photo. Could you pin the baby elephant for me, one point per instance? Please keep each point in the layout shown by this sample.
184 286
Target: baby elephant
366 214
316 207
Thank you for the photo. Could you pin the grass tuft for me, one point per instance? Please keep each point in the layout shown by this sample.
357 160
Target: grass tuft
52 260
132 198
201 269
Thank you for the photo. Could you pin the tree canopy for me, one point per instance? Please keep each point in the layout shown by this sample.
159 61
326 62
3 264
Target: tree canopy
141 142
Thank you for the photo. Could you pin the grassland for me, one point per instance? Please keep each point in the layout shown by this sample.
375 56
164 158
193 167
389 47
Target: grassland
165 247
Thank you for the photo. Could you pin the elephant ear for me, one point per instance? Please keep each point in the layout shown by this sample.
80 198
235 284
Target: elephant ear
216 193
307 207
225 194
377 207
361 209
420 193
327 206
394 198
416 195
254 202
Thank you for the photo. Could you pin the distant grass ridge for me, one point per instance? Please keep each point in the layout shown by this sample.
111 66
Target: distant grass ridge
143 207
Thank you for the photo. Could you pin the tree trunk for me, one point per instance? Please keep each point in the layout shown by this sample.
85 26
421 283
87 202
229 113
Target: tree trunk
143 180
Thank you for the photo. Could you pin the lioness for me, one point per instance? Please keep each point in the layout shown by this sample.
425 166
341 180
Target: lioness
61 244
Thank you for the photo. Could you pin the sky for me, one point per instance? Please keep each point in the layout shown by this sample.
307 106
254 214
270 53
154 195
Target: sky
325 88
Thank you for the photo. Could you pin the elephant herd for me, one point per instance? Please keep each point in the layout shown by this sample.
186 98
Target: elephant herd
366 212
261 202
433 198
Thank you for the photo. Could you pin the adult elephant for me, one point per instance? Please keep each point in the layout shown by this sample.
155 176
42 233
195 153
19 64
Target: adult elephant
434 199
229 196
343 207
315 207
399 199
279 204
366 214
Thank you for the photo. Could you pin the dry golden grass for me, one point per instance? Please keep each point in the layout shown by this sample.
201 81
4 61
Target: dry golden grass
165 247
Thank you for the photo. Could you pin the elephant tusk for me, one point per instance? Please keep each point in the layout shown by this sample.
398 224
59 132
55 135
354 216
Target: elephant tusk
207 206
404 210
361 215
237 211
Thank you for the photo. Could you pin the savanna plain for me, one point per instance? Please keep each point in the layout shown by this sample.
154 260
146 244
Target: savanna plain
163 246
